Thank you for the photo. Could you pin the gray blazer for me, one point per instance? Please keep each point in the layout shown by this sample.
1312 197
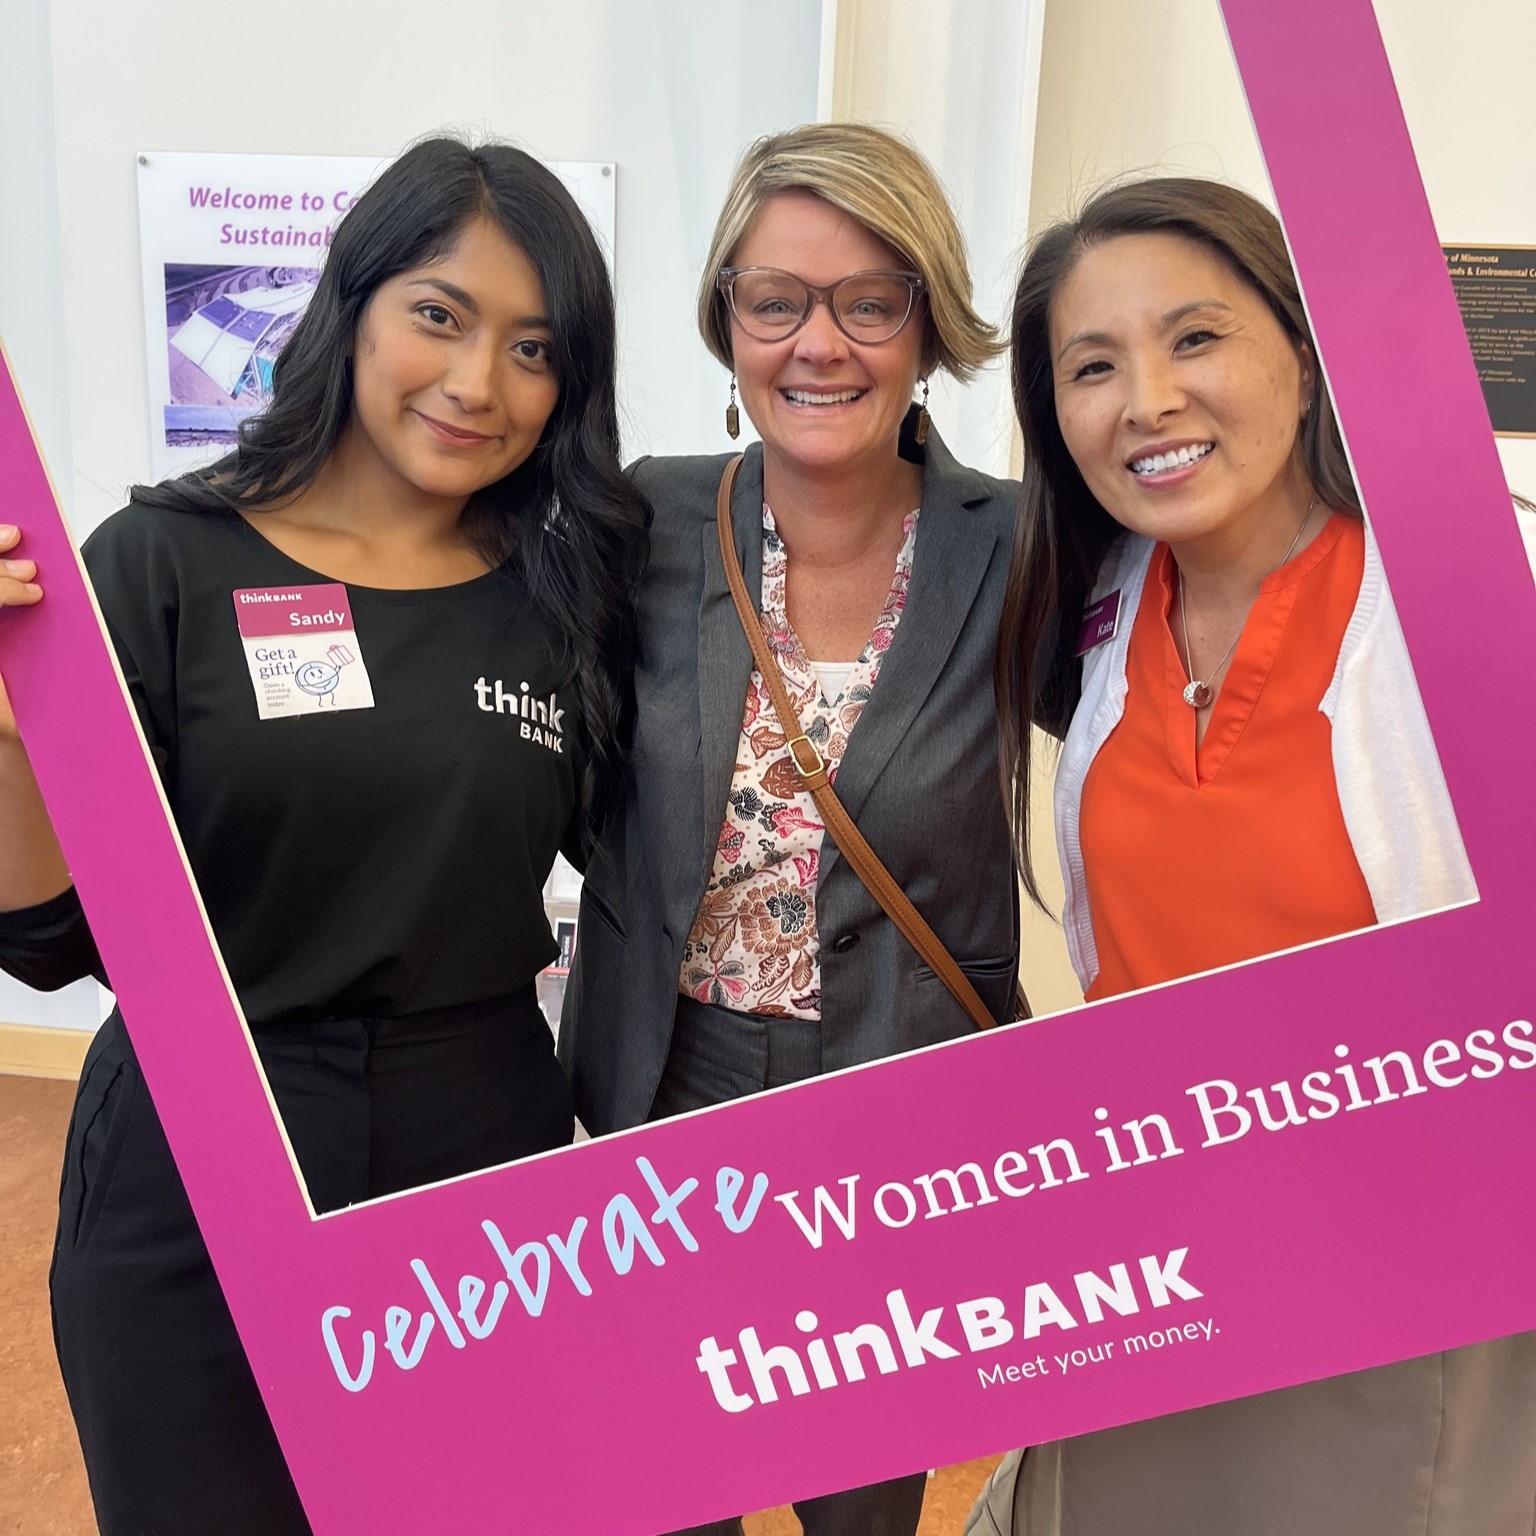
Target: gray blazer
920 778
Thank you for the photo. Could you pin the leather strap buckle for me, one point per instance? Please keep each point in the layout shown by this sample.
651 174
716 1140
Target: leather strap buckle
820 766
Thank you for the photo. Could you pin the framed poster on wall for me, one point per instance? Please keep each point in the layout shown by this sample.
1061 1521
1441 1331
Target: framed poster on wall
231 246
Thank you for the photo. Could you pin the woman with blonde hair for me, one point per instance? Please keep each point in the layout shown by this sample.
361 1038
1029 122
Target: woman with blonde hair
727 942
1249 769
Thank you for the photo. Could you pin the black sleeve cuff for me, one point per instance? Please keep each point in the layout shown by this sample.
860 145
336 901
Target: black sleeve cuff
50 945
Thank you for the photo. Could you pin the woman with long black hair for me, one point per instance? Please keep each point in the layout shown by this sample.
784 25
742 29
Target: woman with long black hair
1249 769
433 516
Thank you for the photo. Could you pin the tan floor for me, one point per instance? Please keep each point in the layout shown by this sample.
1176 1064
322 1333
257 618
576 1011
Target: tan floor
42 1482
951 1492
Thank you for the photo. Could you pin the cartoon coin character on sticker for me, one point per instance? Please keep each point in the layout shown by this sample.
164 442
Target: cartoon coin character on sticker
319 679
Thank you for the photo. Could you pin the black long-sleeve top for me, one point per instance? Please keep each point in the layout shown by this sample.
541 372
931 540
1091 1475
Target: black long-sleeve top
368 862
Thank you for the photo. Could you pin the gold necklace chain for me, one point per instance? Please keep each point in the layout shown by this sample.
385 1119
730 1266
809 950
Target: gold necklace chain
1197 694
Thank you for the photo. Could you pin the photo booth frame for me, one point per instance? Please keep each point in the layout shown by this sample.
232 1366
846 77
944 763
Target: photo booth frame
924 1238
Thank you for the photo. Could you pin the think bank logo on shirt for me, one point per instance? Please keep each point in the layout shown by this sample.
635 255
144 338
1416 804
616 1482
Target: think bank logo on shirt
540 719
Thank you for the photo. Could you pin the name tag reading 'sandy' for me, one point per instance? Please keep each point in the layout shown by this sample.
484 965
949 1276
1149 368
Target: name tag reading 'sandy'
301 647
1099 621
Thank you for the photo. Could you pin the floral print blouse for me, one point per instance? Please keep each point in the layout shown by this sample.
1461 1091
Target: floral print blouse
754 945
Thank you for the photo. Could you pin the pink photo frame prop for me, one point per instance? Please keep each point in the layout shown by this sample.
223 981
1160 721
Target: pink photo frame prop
543 1347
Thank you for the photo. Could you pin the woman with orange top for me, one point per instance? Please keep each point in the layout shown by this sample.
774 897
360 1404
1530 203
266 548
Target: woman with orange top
1249 769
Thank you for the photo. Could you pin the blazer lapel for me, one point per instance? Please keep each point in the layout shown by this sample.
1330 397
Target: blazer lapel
949 564
725 657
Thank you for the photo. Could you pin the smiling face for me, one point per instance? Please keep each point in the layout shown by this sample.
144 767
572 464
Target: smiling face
822 402
1179 395
453 380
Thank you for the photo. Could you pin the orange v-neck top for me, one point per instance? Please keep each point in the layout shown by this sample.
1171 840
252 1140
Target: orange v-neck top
1196 860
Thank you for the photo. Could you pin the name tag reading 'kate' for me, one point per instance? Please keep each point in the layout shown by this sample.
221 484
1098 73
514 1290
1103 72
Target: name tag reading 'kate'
1099 621
302 651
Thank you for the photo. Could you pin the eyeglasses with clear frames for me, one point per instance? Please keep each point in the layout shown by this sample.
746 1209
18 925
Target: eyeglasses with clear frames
867 307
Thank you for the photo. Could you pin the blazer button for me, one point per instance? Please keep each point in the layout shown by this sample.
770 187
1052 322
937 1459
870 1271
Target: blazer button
844 942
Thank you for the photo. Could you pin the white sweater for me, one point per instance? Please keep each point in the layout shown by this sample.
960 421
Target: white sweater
1397 810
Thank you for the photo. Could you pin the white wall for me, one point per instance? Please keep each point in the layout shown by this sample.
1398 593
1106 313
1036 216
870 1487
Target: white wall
960 79
669 89
31 276
32 327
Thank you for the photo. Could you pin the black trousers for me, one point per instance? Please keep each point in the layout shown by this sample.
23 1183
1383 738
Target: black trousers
716 1055
176 1439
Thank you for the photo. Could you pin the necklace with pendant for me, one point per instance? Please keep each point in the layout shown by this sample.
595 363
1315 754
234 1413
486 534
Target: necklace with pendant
1198 694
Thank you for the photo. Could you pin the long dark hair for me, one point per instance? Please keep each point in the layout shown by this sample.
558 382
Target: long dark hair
574 525
1063 534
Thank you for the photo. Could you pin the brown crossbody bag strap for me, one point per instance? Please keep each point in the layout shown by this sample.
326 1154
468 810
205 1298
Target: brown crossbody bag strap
813 774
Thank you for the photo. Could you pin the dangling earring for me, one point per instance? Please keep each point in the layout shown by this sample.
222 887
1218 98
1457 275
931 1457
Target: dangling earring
924 421
732 415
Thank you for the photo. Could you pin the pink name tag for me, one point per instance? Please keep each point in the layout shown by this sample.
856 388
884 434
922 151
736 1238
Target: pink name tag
1099 623
302 651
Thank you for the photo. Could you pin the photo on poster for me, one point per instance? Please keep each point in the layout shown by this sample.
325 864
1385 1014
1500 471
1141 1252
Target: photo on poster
224 329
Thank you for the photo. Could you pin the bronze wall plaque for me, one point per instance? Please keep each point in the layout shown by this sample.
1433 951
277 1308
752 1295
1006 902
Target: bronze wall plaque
1496 289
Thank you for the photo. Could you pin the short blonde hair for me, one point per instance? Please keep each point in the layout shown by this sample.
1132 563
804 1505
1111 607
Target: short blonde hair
886 185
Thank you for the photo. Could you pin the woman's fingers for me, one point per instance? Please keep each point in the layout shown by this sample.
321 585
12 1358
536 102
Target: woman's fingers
18 578
17 589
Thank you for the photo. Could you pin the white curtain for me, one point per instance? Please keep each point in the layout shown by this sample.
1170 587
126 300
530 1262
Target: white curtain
960 78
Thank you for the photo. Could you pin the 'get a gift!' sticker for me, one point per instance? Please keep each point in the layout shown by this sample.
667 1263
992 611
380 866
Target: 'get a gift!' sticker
302 651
